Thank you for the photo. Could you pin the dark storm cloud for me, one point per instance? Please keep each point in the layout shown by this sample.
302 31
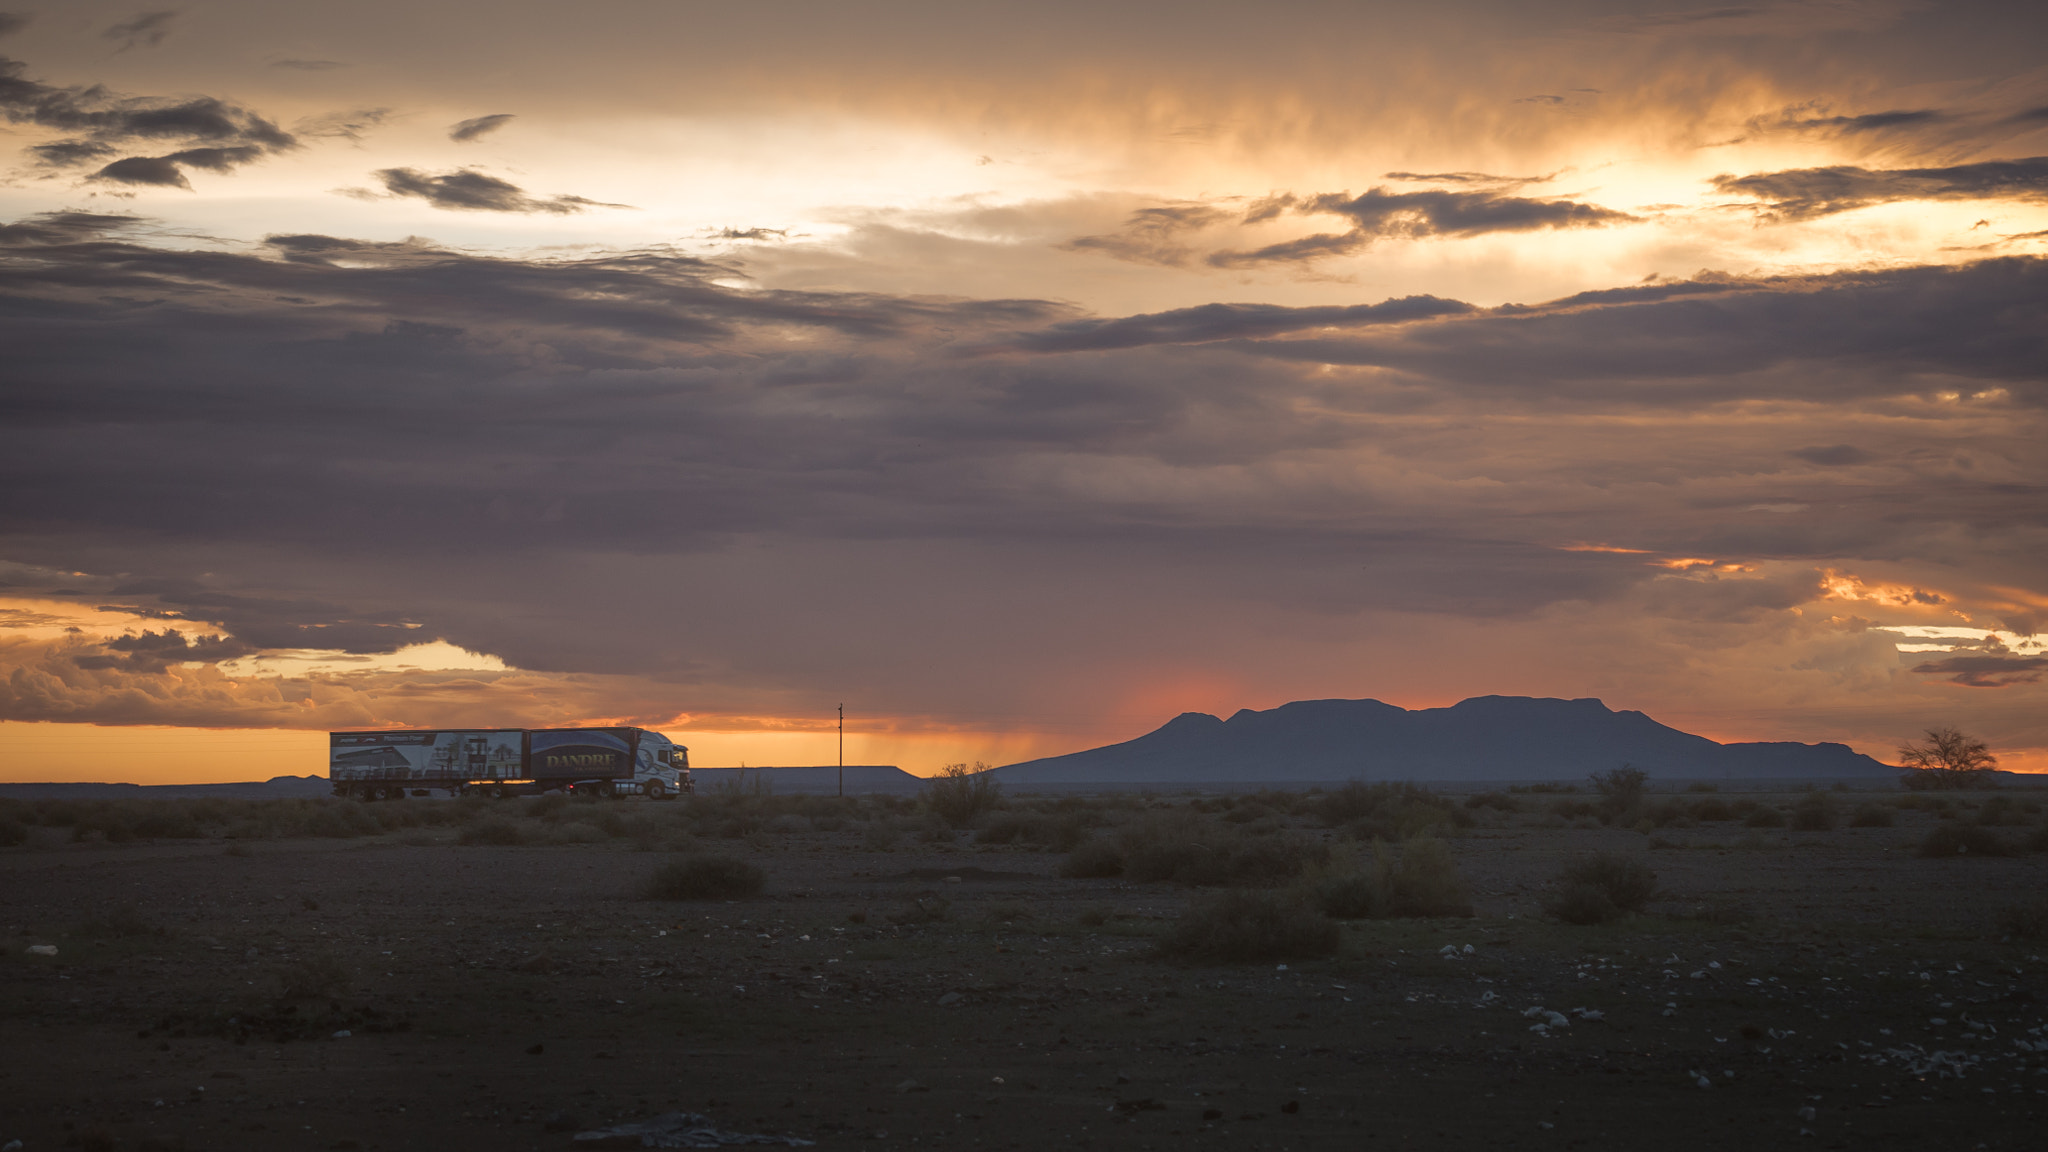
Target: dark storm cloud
1378 214
12 22
1152 235
1987 671
478 127
419 419
467 190
1806 193
60 228
1718 340
349 125
168 171
219 134
263 622
1210 322
68 153
155 651
1868 122
1467 178
1833 455
144 30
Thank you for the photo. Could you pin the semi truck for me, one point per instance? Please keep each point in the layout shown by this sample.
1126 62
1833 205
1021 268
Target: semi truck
500 762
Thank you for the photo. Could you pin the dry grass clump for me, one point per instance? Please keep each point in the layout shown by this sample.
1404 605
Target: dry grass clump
1185 848
1602 887
1873 815
1815 812
1959 839
1420 880
495 832
2025 921
1389 811
705 877
1060 833
1247 926
2006 812
1759 815
1712 810
123 921
313 978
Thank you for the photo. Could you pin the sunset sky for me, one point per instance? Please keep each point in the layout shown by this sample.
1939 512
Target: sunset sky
1019 375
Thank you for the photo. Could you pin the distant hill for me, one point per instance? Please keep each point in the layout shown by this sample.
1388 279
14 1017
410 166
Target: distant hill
274 788
1484 738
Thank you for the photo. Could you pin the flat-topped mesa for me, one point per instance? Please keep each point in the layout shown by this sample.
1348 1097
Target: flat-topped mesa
1483 738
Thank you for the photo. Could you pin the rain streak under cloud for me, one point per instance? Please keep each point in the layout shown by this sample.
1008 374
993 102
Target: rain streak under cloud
1022 375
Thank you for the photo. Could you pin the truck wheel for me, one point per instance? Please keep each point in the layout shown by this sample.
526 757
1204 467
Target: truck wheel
654 790
606 790
497 791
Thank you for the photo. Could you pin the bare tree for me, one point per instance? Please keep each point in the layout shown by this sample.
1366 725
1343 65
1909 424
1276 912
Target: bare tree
1949 759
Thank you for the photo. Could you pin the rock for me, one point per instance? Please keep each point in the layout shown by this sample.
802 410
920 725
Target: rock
950 999
911 1086
342 1035
562 1122
42 949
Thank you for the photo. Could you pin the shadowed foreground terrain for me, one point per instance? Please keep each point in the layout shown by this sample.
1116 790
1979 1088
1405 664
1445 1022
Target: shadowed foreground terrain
1796 980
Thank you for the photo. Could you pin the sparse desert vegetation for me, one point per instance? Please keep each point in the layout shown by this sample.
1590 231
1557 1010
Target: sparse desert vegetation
569 955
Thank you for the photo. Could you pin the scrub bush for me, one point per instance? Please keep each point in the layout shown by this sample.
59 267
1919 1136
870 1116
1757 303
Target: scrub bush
1245 927
705 877
1601 887
959 793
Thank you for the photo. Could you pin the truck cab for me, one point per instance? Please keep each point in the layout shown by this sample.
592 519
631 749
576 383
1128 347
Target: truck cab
661 767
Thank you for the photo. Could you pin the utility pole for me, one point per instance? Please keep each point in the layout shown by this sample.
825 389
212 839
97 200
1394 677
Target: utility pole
842 751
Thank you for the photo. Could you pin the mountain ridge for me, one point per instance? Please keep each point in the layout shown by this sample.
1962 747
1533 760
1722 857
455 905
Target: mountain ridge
1479 738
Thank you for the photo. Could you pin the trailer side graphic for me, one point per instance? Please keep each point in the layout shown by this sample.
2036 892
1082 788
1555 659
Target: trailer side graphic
507 762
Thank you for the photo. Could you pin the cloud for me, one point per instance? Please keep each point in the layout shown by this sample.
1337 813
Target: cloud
1486 178
1987 671
612 464
1808 193
296 65
1856 125
350 125
468 190
1378 214
1151 235
143 30
1212 322
155 651
761 234
12 22
1833 455
219 134
478 127
1789 18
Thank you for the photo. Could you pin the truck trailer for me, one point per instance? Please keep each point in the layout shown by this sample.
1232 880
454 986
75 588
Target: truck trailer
507 762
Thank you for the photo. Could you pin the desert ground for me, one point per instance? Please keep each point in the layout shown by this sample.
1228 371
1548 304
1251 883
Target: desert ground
474 974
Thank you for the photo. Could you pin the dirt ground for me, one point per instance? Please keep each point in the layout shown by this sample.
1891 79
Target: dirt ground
1827 989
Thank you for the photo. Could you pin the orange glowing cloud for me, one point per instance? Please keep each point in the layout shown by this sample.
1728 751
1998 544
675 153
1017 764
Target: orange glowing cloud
1838 585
